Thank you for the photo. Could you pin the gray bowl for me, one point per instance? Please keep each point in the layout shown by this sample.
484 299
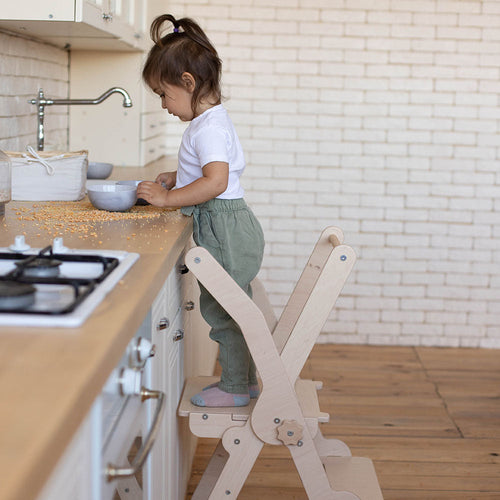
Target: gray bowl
139 201
112 197
99 170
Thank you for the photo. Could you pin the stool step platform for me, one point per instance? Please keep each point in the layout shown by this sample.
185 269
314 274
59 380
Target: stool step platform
194 386
306 393
354 474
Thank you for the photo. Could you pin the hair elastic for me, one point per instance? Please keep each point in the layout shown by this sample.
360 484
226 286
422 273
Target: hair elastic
176 30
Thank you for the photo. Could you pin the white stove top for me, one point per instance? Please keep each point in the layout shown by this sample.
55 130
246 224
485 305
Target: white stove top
56 297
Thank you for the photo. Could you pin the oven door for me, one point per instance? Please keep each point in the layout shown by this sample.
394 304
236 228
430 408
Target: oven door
130 426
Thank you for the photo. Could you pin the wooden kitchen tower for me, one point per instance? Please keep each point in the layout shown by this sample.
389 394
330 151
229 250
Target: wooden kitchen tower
287 411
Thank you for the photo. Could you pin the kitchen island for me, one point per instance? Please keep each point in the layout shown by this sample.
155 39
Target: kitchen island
49 377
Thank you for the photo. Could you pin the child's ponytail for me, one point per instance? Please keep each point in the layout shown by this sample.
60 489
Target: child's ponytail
188 26
156 27
185 49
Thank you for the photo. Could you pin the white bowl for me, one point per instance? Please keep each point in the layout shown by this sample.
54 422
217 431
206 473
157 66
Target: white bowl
99 170
112 197
139 201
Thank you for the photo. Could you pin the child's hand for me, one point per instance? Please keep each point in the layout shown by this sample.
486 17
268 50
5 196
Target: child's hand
168 179
153 193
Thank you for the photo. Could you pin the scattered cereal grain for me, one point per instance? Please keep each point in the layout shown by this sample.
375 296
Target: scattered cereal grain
82 217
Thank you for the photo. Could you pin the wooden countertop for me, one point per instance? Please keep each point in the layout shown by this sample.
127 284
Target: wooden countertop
50 377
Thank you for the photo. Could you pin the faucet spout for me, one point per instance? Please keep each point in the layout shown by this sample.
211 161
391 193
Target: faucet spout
41 102
127 101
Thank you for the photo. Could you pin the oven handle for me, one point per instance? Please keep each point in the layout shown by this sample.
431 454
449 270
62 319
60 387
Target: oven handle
113 471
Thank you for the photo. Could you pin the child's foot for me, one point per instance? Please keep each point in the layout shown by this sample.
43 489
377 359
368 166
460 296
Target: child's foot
215 397
253 390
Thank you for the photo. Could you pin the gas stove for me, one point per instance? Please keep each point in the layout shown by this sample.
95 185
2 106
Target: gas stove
56 286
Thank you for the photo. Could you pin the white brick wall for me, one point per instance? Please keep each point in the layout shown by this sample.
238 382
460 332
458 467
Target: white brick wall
381 117
26 66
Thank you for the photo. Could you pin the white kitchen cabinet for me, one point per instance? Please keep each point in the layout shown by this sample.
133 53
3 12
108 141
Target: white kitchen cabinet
76 475
79 24
153 131
175 384
167 375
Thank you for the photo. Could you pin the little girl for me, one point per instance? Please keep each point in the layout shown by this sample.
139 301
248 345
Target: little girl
183 68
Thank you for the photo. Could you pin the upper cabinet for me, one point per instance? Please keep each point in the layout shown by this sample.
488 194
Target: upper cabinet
80 24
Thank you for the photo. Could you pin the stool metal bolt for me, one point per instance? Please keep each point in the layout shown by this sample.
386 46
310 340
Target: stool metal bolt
290 433
277 420
236 441
299 443
228 492
205 416
343 257
197 260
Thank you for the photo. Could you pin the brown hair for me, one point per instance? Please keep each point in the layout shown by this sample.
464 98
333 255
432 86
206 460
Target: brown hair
186 49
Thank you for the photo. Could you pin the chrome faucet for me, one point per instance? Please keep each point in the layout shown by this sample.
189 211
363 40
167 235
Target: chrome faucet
41 102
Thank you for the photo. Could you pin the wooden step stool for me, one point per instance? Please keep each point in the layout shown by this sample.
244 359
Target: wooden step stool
287 411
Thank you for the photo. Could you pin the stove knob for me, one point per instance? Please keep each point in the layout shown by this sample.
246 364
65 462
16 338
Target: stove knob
58 246
19 244
129 382
141 349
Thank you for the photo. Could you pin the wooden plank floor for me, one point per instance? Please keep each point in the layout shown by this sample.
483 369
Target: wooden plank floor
429 418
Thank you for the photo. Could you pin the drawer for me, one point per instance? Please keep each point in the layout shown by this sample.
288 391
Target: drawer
153 148
159 306
153 124
175 339
174 285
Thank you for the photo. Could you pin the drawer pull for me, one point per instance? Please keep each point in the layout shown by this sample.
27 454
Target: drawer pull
114 472
178 335
163 324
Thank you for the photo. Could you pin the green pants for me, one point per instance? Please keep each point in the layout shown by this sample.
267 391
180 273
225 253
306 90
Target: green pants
229 230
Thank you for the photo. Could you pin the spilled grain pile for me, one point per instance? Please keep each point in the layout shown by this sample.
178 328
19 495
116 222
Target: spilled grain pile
82 217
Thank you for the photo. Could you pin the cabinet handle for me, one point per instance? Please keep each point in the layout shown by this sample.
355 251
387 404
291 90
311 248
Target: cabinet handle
114 472
107 16
178 335
163 324
189 305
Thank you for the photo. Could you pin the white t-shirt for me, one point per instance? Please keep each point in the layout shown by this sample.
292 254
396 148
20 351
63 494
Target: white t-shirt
210 137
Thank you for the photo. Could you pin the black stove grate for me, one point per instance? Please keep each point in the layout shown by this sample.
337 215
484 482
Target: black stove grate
82 287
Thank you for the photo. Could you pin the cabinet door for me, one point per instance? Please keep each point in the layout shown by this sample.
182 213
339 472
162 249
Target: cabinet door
129 12
167 376
53 10
115 17
157 460
175 384
83 24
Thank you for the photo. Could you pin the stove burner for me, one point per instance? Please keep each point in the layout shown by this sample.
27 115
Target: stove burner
63 281
16 296
41 267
